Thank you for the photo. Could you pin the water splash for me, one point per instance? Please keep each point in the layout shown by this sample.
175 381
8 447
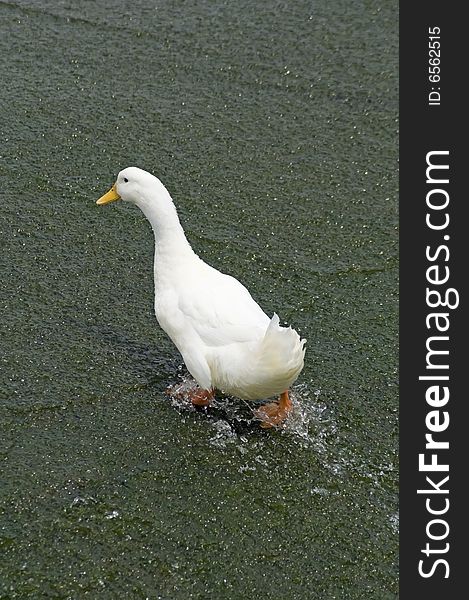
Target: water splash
394 521
310 422
310 425
224 435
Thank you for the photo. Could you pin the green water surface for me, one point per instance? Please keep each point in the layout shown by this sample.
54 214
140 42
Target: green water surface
274 126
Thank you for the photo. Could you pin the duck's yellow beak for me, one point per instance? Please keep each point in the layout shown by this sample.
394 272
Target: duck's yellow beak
110 196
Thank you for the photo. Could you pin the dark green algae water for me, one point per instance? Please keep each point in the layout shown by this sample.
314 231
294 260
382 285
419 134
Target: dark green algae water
273 125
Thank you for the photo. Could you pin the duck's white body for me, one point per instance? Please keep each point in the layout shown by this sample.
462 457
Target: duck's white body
225 338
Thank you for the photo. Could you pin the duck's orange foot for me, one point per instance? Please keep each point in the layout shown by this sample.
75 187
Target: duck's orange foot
201 397
274 413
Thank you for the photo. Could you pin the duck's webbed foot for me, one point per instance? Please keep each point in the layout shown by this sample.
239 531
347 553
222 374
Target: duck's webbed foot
200 397
274 413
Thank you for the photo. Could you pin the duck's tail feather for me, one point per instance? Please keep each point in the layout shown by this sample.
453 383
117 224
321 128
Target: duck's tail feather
283 350
277 363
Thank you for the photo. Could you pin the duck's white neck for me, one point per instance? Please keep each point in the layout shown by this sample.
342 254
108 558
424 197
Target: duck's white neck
170 240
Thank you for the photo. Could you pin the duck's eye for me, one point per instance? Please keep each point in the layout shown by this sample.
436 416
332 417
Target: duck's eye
126 180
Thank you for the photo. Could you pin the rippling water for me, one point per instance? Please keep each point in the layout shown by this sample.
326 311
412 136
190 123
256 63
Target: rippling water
274 126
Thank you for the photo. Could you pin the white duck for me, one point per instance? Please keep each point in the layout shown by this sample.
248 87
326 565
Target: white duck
225 338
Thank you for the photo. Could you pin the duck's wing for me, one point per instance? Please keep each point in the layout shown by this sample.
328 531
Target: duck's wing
221 311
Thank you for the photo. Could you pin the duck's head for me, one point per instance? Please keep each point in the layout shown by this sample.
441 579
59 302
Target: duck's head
146 191
132 185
